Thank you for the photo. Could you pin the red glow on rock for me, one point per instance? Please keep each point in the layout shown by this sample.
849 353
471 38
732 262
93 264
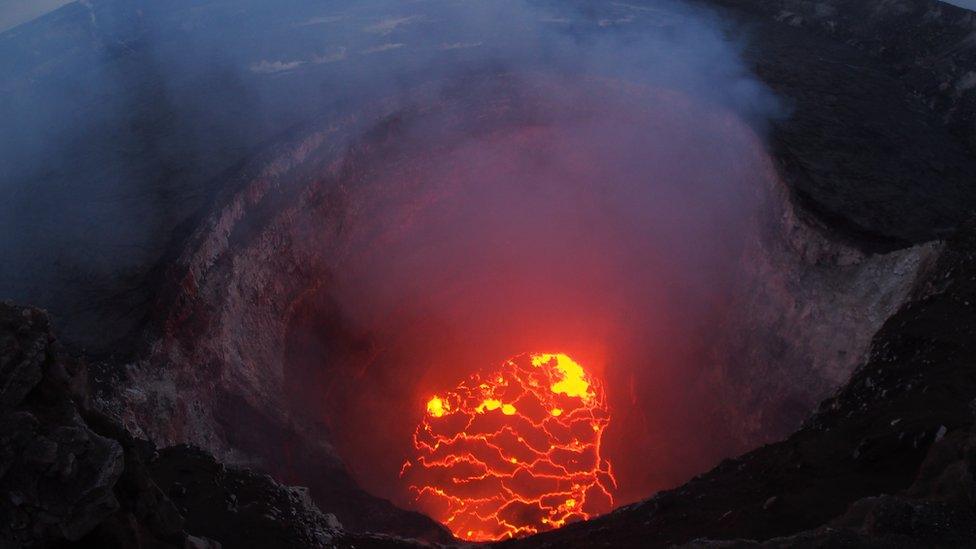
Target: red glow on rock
515 452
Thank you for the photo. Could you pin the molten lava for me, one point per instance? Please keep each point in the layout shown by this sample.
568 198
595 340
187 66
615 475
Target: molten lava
514 453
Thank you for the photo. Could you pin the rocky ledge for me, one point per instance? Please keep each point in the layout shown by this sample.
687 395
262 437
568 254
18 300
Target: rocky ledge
69 476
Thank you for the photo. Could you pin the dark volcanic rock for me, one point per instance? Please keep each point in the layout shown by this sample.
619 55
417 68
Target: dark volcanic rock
66 473
926 44
293 458
902 426
936 511
145 514
879 137
69 476
56 474
240 507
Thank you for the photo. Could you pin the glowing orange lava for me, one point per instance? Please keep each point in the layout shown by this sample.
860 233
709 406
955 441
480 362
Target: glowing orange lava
514 453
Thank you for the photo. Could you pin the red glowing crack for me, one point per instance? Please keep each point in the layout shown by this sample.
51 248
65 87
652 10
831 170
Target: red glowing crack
514 453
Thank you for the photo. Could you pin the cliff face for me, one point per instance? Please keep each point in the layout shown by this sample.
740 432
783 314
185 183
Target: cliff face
801 318
838 253
902 426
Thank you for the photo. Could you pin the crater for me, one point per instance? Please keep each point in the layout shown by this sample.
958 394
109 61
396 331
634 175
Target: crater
370 261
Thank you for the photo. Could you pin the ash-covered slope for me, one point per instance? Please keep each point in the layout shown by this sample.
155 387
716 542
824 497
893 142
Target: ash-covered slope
890 460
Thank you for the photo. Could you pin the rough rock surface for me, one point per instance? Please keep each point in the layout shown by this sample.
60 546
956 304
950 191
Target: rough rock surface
242 508
215 376
56 474
877 142
887 461
69 476
928 45
802 316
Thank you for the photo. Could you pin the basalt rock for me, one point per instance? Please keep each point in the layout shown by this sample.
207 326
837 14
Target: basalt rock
938 510
70 476
57 474
879 129
240 507
926 44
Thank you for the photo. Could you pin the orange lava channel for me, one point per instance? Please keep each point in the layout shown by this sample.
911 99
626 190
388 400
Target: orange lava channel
514 453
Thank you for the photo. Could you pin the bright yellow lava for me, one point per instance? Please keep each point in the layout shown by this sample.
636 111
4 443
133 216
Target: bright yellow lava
437 407
491 404
573 382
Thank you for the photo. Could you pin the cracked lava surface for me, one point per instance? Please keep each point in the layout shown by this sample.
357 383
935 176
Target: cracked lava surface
514 452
